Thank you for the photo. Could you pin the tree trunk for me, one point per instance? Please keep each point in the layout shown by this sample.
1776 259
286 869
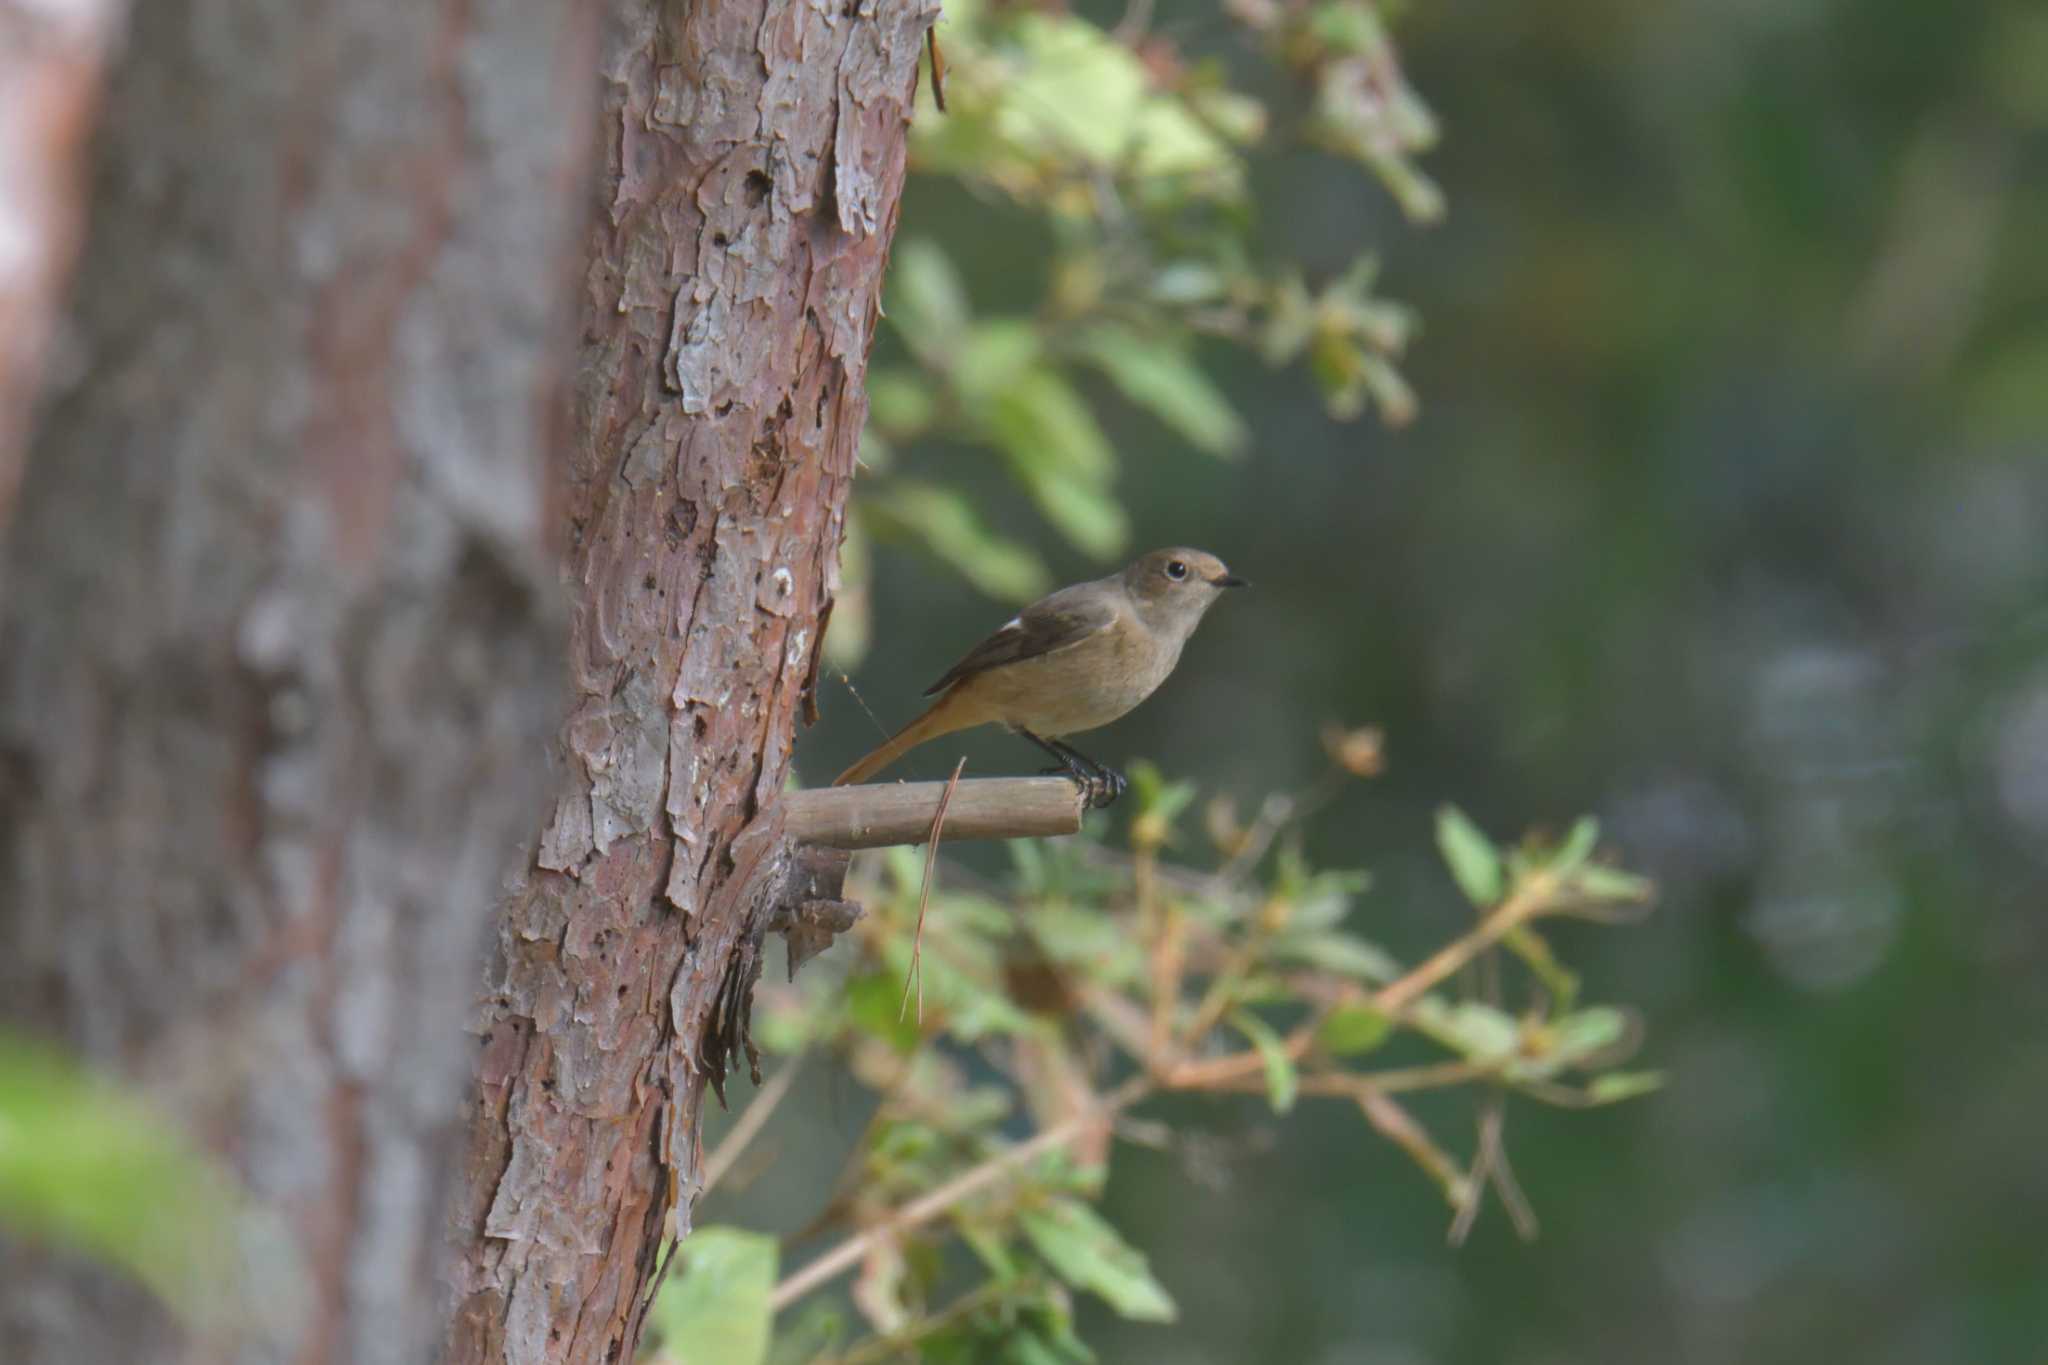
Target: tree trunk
754 160
280 652
50 62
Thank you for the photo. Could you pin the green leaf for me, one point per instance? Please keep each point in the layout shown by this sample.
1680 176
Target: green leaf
717 1311
1157 376
1534 950
1353 1029
872 1001
1611 884
1090 940
1480 1032
1158 800
1282 1081
1320 899
972 1004
1088 516
1577 846
992 360
1343 954
85 1165
986 1238
1471 856
1038 1346
1074 92
1061 456
944 522
1587 1032
899 402
1042 421
1089 1254
1616 1086
926 299
1186 282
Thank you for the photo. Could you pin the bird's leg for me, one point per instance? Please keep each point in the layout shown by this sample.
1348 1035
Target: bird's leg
1068 764
1103 785
1112 781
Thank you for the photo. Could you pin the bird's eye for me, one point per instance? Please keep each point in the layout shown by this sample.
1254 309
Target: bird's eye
1176 570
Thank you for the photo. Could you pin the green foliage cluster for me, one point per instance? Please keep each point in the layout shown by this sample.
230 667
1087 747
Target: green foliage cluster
1134 157
88 1167
1010 1032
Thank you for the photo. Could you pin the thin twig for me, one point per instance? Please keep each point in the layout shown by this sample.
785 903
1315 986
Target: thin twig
893 1345
1530 899
924 897
918 1212
1528 902
1520 1211
1352 1084
1490 1117
1400 1128
749 1124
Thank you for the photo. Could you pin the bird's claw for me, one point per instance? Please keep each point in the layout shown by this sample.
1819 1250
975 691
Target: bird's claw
1099 784
1106 787
1101 787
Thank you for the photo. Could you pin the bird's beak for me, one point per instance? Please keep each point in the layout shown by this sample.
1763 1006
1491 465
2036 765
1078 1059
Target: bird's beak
1230 580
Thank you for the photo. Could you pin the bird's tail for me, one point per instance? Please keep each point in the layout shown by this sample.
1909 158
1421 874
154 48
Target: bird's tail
949 713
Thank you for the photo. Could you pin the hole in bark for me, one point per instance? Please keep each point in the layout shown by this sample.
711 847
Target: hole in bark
757 186
723 409
648 583
720 239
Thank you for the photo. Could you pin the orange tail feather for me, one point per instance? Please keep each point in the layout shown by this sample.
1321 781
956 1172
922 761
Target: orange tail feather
942 717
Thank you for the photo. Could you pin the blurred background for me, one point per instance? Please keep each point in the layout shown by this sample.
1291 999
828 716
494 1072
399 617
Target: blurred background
1723 517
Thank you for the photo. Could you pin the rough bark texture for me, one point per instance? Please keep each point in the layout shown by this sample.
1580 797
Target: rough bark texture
51 55
281 647
754 159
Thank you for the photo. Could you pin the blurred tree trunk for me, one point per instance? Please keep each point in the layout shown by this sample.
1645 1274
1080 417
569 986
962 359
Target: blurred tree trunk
280 649
50 62
754 160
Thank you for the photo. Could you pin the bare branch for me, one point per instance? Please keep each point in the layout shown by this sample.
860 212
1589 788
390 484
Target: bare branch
879 814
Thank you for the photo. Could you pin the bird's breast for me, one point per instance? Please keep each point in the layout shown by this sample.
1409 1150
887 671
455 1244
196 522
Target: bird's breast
1083 687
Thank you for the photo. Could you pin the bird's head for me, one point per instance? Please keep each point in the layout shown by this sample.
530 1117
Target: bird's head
1173 587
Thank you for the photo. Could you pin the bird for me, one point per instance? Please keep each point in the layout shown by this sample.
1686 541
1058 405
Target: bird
1072 661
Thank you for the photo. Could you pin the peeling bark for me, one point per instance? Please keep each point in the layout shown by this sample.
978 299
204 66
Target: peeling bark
281 645
754 161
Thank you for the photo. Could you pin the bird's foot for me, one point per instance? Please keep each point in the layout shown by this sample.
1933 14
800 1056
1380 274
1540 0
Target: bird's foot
1101 785
1109 785
1100 788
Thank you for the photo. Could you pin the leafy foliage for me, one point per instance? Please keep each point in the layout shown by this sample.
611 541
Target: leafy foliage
1131 150
718 1309
1098 979
82 1164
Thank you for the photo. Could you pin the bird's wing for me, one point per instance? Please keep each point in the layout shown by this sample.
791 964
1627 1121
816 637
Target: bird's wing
1046 626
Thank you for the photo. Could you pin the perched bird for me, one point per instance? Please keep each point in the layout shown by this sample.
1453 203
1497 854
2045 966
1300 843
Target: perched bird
1071 662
